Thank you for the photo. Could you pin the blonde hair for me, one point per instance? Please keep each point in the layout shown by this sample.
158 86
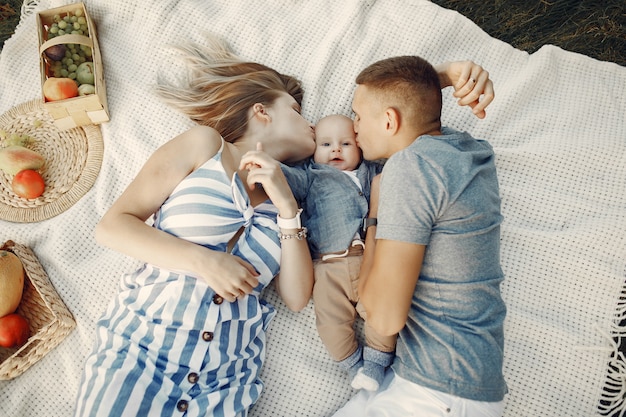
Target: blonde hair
222 88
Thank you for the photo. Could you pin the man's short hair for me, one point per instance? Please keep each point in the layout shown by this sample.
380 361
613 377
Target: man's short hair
409 84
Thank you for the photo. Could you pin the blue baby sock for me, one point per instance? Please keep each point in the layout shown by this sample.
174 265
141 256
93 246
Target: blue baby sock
371 375
352 363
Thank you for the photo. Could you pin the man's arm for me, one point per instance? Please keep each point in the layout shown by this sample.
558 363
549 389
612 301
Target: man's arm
370 234
390 284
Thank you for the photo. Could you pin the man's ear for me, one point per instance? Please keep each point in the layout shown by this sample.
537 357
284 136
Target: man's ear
392 121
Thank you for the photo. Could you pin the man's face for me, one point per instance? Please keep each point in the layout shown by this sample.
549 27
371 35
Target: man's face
369 123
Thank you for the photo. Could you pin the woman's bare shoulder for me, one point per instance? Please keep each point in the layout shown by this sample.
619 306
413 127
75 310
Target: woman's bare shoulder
201 142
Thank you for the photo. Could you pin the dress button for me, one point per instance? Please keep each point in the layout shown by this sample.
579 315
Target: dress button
207 336
217 299
182 406
193 377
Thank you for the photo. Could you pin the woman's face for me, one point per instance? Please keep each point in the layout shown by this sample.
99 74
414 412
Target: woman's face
292 136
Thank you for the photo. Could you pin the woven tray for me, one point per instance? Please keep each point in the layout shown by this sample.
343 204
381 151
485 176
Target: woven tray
73 160
49 319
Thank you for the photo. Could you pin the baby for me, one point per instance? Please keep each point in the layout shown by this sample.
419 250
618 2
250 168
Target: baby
333 190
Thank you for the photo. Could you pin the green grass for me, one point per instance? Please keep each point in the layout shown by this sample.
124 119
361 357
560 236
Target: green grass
596 28
9 18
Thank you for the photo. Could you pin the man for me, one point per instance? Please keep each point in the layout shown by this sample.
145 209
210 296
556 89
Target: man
433 275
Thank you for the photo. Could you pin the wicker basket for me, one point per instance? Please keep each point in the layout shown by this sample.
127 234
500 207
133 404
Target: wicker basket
50 320
81 110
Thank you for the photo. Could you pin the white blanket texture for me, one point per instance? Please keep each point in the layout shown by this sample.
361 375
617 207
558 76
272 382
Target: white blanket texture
557 125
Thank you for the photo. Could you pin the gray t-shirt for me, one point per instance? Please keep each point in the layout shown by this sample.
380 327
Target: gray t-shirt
442 192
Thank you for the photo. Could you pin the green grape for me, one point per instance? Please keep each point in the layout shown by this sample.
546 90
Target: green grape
78 12
56 18
62 24
64 72
72 68
54 29
73 19
66 19
71 75
76 25
61 32
82 21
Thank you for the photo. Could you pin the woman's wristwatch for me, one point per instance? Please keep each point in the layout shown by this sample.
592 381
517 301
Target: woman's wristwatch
293 223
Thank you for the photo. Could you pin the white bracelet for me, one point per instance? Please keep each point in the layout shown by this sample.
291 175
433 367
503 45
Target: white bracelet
300 235
294 223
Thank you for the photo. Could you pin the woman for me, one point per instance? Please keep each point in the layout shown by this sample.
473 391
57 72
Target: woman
186 333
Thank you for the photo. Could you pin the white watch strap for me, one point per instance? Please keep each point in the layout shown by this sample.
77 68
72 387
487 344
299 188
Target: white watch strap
294 223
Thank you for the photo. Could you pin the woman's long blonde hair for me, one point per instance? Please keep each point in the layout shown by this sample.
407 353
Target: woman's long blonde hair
222 87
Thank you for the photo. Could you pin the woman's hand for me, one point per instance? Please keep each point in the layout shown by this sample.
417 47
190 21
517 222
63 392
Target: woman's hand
228 275
471 84
265 170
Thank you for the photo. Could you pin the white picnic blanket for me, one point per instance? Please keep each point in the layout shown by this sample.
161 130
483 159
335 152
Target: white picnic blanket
557 125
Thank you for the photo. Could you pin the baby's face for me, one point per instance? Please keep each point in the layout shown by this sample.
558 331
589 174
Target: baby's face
336 143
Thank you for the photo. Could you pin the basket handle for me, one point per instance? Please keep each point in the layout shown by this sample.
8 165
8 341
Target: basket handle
57 40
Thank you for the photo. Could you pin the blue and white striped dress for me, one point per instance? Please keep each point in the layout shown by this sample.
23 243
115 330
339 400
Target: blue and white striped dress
168 345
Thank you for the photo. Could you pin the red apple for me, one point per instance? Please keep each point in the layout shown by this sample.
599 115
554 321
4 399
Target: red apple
14 330
28 184
59 88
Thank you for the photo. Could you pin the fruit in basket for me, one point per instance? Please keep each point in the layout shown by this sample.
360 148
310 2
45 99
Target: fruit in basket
84 73
14 330
56 52
59 88
11 282
28 184
70 23
86 89
14 159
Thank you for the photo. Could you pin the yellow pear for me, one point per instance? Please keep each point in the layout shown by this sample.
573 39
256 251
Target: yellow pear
11 282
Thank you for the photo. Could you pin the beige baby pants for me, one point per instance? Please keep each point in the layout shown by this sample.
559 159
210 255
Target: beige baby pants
336 305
